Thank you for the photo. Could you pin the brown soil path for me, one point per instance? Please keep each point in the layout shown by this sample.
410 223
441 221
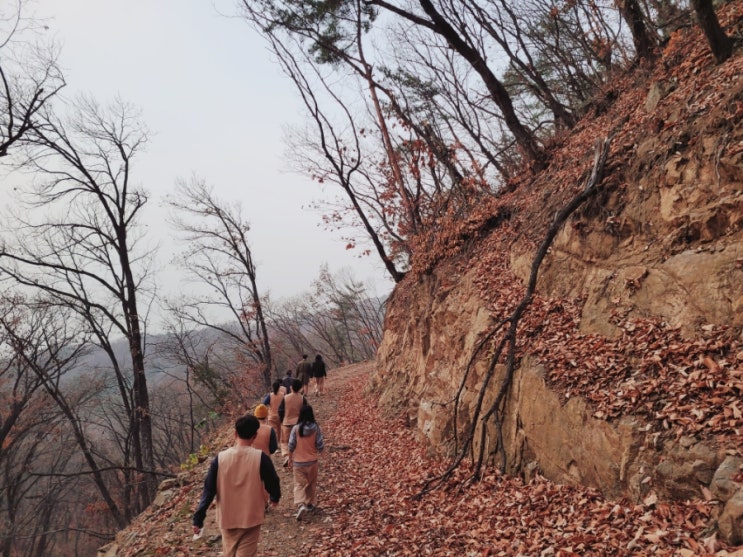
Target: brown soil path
282 535
164 529
370 476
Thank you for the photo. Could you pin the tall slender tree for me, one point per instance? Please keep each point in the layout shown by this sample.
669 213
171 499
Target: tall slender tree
79 245
218 255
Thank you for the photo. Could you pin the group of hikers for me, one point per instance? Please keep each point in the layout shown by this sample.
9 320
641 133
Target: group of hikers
307 371
243 478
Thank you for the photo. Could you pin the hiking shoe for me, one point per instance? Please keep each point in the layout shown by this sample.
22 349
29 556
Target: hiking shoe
302 510
310 508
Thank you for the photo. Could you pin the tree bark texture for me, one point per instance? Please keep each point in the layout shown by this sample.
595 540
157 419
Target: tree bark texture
641 36
719 42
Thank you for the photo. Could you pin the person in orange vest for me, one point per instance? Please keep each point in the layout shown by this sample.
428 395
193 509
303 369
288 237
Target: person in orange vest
237 477
289 410
273 401
265 439
305 445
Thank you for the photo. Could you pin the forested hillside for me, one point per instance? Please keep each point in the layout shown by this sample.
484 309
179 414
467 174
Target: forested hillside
555 187
587 326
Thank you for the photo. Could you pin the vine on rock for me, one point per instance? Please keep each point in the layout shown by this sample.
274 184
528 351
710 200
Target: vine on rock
506 344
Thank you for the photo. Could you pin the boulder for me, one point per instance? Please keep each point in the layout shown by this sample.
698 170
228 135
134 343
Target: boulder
163 497
730 523
685 470
723 485
170 483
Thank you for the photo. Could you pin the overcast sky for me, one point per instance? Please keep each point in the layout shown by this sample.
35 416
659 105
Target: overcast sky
218 108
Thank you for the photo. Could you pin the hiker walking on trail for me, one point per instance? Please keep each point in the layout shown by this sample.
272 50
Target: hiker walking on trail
273 401
237 477
287 382
305 445
265 439
304 373
289 410
319 372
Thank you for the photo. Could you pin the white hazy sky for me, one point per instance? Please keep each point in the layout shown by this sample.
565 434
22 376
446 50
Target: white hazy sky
217 107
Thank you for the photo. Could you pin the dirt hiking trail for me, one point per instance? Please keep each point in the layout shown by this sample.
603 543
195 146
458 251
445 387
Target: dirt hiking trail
282 535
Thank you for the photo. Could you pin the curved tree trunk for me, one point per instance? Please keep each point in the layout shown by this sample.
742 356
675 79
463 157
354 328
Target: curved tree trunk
524 138
719 42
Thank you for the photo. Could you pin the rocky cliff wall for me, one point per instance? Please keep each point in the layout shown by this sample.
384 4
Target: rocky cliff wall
661 244
428 343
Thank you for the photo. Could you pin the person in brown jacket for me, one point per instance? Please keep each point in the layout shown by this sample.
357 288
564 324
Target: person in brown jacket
305 445
237 477
289 408
304 374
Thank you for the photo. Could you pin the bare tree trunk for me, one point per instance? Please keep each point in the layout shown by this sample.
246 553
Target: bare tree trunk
142 417
412 215
641 36
719 42
219 256
265 340
438 24
329 140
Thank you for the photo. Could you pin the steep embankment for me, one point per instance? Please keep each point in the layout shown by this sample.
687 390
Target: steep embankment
630 357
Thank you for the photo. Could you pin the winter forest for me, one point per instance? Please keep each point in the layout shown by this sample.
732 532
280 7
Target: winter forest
417 113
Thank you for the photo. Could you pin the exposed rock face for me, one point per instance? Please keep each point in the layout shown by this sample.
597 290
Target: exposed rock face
667 243
418 372
428 343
